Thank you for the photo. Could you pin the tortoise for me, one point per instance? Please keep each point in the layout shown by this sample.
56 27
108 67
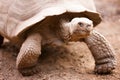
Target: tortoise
32 24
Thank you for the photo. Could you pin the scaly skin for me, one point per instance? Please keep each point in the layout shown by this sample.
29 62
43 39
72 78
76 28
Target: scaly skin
1 40
29 53
102 52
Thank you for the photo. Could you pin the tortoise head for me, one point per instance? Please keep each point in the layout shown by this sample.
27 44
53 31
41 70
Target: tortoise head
78 28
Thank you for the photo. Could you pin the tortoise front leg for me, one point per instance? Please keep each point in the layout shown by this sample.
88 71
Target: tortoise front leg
29 53
102 53
1 40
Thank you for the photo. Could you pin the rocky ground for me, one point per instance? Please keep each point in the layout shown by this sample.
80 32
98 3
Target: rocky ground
77 65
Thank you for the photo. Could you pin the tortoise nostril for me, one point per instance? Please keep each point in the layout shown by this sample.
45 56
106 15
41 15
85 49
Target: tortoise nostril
81 24
88 26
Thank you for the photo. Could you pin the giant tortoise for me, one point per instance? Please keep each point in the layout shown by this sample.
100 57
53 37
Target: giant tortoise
31 24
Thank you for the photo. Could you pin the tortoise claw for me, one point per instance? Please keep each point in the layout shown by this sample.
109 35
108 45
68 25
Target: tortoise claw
104 68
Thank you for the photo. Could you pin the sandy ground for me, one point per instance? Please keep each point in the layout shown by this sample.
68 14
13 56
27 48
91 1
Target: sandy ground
76 65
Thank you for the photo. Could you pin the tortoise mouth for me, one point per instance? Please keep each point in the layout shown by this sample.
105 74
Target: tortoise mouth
77 35
81 33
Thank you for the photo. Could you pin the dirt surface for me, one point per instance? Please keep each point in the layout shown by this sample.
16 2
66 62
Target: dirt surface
77 65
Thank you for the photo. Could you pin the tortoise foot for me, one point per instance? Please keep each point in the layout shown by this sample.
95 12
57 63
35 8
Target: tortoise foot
104 68
29 71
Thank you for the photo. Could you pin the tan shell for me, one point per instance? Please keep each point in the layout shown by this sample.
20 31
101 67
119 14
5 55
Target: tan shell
16 16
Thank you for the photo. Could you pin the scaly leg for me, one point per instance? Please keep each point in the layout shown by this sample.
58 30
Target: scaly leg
29 53
102 53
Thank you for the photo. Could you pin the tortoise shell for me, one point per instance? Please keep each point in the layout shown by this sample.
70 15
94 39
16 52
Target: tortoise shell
17 16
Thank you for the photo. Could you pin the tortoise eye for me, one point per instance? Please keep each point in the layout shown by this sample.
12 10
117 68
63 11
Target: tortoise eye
69 20
81 24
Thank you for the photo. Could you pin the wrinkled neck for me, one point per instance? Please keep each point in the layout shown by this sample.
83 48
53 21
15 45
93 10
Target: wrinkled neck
65 32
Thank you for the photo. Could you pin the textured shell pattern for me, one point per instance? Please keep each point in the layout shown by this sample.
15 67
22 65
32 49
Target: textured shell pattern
16 16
